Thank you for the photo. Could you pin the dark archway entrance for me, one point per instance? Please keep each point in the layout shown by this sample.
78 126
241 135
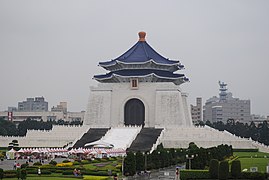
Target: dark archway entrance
134 112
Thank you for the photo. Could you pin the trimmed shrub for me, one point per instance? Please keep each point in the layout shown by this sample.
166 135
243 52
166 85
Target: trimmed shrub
97 173
236 169
66 161
245 150
10 174
85 162
68 164
76 163
24 165
53 163
95 178
45 172
253 175
58 171
223 170
214 168
68 172
1 173
194 174
18 173
23 174
96 161
32 171
37 164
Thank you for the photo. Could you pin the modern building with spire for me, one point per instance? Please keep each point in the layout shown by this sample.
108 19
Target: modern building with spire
226 107
141 88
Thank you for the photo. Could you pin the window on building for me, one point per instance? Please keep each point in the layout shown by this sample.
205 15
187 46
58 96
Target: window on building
134 83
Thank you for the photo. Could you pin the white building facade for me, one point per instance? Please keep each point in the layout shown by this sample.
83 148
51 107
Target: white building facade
140 89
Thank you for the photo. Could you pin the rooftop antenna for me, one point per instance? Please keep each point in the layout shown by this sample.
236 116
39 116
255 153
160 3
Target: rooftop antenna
223 91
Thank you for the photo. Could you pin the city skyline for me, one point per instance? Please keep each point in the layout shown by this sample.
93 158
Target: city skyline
52 48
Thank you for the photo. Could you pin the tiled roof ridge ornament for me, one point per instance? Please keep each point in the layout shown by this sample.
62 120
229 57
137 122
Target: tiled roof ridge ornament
142 36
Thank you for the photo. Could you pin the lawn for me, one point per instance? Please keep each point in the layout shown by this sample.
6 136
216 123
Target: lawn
253 159
42 178
260 163
63 178
251 154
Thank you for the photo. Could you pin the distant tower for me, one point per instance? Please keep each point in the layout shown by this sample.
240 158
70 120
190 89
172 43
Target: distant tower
223 91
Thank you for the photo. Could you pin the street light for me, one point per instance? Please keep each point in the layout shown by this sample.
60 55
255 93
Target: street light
145 153
122 167
189 157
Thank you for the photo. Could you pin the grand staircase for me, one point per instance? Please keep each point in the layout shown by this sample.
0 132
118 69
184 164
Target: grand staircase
145 140
92 135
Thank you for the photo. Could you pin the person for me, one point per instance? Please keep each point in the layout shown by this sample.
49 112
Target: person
177 173
78 172
18 165
75 172
39 172
15 165
115 177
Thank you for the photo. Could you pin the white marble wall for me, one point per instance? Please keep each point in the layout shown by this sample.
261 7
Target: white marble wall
164 104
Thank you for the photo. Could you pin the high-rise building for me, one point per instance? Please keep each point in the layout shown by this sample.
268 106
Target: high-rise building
36 104
226 107
62 107
196 111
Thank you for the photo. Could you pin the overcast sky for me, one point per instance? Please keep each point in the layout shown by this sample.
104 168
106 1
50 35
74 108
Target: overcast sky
51 48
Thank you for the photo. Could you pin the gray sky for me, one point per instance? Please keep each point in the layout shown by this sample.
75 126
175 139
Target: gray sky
51 48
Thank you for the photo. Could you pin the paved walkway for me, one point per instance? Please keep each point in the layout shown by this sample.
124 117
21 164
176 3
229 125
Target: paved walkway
8 164
164 174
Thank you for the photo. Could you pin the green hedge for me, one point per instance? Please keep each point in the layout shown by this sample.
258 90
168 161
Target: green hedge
253 175
245 150
236 169
10 174
35 172
214 168
194 174
67 172
76 163
1 173
223 170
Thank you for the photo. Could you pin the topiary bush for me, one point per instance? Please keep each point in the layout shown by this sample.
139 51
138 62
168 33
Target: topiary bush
214 168
194 174
76 163
223 170
1 173
18 173
37 164
25 165
53 163
253 175
68 172
23 174
236 169
10 174
66 161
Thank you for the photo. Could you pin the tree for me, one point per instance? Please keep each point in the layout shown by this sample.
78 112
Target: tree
214 168
129 164
236 169
1 173
7 128
140 162
223 170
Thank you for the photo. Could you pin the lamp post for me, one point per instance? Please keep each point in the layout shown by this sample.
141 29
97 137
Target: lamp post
145 154
122 167
189 157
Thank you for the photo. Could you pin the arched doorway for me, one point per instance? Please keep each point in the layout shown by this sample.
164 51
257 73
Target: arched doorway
134 112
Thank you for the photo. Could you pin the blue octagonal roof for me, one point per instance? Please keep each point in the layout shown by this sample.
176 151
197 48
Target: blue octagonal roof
141 52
